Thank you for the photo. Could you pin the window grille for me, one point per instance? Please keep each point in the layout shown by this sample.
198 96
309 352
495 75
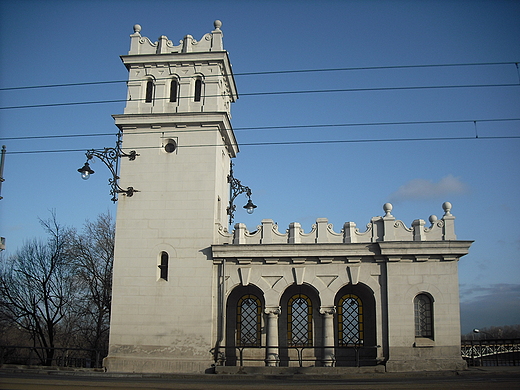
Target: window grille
249 311
423 316
350 320
299 321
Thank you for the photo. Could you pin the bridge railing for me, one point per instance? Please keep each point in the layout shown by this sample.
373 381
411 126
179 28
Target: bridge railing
491 352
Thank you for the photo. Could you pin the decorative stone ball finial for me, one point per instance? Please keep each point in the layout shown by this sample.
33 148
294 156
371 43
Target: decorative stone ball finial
217 23
447 208
387 208
137 28
433 219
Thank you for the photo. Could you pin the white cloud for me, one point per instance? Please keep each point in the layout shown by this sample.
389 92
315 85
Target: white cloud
421 189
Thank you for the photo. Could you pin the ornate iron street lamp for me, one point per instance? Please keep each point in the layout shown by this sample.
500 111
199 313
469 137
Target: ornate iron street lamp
110 157
481 331
236 188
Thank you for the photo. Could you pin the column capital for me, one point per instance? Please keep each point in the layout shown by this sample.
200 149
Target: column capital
328 310
274 311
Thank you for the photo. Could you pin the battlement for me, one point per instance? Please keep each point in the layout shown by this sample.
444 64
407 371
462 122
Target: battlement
209 42
193 77
386 228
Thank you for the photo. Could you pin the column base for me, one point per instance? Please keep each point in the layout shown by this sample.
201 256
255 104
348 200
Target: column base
273 360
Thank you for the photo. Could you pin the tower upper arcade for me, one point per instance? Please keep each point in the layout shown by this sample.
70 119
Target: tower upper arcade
194 76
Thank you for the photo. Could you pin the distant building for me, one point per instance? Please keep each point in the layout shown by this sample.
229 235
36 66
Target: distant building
188 295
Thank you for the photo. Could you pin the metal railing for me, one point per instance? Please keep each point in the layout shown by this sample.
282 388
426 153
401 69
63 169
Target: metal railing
58 357
353 356
491 352
487 352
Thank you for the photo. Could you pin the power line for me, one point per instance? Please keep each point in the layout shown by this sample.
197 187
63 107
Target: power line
376 68
273 72
379 124
272 143
28 137
327 125
411 88
62 85
382 89
377 140
64 104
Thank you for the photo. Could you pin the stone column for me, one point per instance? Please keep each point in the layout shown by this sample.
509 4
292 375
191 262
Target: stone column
328 335
272 359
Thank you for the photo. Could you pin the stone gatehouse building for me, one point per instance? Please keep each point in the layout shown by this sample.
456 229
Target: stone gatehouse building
190 296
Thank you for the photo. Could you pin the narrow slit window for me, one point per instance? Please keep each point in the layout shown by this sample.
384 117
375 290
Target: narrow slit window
423 316
149 91
163 266
219 208
198 90
173 91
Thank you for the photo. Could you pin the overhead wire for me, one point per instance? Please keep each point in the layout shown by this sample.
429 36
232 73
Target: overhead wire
281 143
425 87
376 68
281 127
281 93
273 72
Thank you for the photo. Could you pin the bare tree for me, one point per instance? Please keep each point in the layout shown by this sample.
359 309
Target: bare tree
94 256
496 332
59 291
37 288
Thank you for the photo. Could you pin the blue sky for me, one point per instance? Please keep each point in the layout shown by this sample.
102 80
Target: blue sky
56 42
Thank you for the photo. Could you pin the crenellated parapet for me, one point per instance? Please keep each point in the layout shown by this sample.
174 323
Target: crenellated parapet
209 42
386 228
180 80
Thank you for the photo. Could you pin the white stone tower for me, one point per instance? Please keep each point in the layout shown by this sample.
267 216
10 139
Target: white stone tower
177 119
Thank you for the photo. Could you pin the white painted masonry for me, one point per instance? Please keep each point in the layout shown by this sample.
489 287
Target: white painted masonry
183 316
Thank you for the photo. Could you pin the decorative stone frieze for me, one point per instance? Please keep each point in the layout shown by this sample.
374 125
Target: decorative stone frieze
209 42
379 229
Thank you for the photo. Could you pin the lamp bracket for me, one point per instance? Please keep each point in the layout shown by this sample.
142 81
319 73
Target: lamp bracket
235 188
110 157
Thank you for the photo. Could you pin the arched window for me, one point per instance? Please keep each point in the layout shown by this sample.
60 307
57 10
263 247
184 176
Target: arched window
299 320
149 91
163 266
174 87
198 90
249 311
350 320
423 313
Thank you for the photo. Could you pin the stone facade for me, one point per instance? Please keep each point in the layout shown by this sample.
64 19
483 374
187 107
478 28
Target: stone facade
387 267
189 296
